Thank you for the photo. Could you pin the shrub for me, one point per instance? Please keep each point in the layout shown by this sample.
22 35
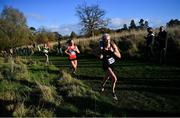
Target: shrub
38 111
20 110
6 71
68 86
47 93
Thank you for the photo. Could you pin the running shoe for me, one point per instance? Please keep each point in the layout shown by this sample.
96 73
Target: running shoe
114 96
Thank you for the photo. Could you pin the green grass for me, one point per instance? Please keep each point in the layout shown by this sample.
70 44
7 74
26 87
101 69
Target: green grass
138 83
37 89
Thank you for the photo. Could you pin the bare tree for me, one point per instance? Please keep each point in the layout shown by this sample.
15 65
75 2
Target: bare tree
91 18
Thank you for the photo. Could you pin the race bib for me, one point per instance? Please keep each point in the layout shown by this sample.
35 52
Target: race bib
73 53
45 51
111 60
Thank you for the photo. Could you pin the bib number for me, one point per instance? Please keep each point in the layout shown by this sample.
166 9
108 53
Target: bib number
73 53
45 51
111 60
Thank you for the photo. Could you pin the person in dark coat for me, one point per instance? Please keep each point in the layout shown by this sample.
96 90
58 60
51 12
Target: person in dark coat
162 44
149 44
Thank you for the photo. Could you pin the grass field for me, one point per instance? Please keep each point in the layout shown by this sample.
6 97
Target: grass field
143 89
141 86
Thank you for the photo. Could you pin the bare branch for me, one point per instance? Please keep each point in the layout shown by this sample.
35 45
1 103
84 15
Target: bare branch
91 18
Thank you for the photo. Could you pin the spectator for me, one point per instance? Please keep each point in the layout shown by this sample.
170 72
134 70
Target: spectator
162 44
59 48
149 44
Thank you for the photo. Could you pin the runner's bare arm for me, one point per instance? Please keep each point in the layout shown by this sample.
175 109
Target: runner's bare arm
66 51
77 50
116 51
